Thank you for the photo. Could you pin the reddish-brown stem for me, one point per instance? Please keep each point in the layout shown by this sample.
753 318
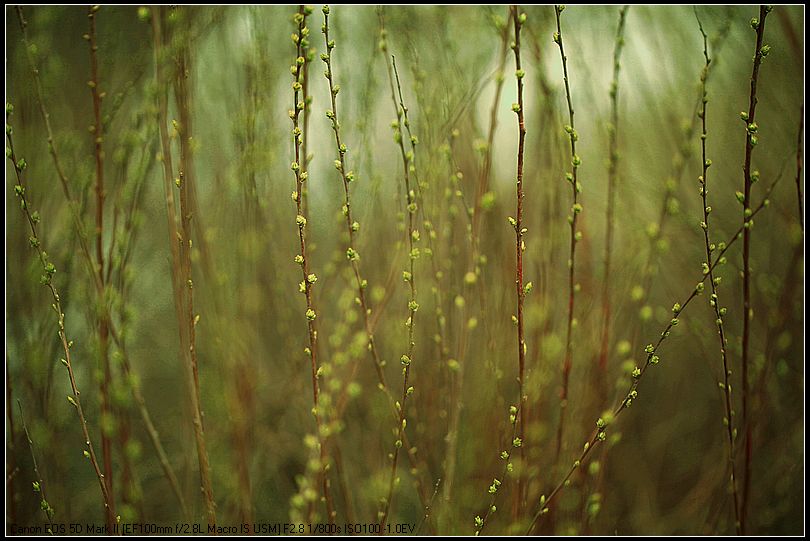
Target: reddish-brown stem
519 248
750 142
103 322
300 173
572 220
186 184
88 257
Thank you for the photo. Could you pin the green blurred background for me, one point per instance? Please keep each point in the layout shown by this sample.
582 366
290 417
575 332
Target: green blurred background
664 469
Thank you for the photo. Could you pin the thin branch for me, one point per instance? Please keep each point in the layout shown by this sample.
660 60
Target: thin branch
410 278
719 312
760 52
576 208
308 281
38 484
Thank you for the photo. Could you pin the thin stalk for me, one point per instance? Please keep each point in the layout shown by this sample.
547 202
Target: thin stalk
481 522
728 419
38 484
576 208
347 176
516 415
168 174
49 270
421 207
612 181
750 141
428 508
186 183
300 173
103 322
352 227
181 263
166 161
520 246
409 277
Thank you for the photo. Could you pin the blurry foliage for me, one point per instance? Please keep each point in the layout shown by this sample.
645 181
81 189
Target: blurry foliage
666 468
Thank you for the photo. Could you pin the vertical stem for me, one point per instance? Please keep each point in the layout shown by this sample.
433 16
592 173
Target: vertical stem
103 322
166 161
186 183
728 419
520 246
750 141
299 170
613 161
168 182
39 484
576 208
410 278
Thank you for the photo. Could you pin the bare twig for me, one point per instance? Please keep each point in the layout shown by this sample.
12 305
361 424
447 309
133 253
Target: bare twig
749 118
719 312
308 281
576 208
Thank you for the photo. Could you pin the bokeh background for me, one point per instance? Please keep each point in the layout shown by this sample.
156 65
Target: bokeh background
664 468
